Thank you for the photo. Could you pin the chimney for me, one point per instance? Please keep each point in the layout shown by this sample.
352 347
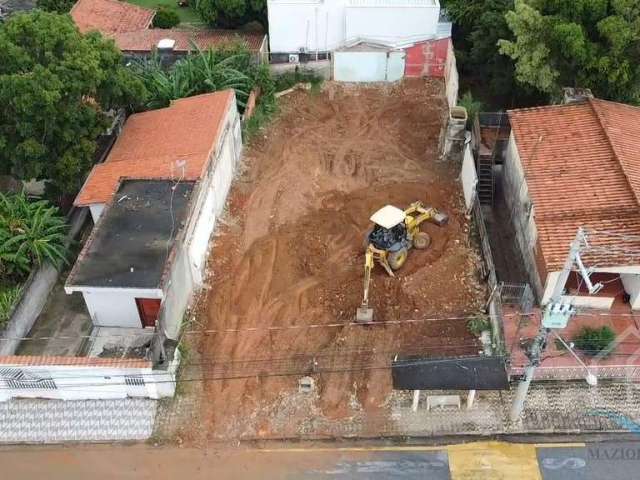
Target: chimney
573 95
166 45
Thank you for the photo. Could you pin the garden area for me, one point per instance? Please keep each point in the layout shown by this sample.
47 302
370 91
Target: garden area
31 233
187 14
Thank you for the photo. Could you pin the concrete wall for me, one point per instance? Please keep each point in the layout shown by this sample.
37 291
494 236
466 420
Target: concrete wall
321 68
116 307
323 26
451 77
519 202
35 293
71 382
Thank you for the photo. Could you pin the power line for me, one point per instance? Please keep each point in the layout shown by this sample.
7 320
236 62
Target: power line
272 328
295 360
240 377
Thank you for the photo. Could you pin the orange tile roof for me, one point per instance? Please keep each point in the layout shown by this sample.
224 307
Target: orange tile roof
110 16
153 143
32 360
147 40
582 169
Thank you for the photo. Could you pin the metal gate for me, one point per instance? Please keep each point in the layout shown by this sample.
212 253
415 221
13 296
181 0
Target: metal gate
368 66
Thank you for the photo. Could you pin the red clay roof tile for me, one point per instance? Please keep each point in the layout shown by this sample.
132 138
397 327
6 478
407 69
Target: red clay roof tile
31 360
110 16
582 169
152 144
146 40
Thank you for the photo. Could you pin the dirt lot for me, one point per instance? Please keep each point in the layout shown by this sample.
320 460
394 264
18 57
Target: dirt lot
291 255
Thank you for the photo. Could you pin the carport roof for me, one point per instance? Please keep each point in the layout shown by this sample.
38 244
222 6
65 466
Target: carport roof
132 242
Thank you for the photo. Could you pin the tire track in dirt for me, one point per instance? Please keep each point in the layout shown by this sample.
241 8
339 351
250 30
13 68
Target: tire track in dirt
323 168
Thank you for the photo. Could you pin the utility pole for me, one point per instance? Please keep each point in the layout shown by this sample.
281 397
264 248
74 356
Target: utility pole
555 313
534 354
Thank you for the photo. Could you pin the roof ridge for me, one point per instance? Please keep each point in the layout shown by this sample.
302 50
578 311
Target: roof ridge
545 107
601 121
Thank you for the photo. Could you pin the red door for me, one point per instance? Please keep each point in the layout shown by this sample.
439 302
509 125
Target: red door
148 309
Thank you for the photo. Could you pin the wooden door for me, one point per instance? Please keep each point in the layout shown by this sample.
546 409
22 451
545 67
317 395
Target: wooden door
148 309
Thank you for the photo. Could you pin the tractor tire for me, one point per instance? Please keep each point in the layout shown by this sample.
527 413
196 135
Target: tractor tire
421 241
398 258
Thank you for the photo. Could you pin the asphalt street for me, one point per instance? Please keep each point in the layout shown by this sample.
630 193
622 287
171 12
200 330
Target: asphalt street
470 461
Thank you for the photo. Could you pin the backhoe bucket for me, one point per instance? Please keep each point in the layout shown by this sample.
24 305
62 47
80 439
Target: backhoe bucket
364 314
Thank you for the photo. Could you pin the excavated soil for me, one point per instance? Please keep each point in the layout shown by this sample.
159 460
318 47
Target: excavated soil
287 265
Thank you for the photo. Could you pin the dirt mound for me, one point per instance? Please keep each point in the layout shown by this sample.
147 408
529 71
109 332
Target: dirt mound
293 261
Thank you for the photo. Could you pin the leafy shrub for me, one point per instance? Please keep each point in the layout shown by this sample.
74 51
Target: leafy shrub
8 298
204 71
166 18
593 341
55 6
31 233
472 106
478 324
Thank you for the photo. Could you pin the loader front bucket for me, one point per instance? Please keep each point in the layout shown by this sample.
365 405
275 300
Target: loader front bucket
364 314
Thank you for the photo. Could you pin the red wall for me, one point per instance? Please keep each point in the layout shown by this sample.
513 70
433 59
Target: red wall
427 59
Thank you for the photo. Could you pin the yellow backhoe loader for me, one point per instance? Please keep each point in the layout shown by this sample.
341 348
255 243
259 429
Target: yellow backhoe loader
388 242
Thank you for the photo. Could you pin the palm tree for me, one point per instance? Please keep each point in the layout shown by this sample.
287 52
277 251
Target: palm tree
203 71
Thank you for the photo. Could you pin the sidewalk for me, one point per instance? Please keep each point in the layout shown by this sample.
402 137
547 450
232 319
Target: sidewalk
56 421
562 407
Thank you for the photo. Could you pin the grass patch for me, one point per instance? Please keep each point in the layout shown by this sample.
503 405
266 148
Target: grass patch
9 296
187 15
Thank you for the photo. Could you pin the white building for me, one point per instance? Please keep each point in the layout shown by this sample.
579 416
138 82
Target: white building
155 201
314 27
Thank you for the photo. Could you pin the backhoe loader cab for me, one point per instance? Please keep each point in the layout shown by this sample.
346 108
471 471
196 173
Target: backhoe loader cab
388 242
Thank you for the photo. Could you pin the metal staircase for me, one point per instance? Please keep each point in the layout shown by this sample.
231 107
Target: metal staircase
486 179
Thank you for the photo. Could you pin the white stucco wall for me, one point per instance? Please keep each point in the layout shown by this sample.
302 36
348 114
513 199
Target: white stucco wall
391 22
87 382
631 284
212 196
115 307
325 26
96 210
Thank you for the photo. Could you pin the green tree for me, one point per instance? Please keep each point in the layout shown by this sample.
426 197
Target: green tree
478 25
231 13
165 18
56 6
585 43
55 87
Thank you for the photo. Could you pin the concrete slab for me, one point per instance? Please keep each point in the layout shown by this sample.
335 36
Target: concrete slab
114 342
61 328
